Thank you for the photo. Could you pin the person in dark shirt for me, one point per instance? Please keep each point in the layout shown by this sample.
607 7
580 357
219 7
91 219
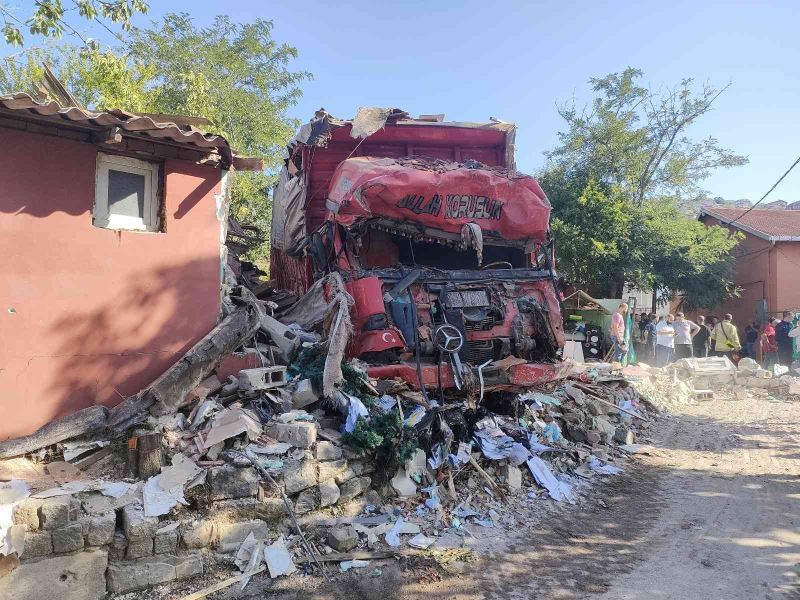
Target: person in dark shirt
650 338
701 338
751 337
782 339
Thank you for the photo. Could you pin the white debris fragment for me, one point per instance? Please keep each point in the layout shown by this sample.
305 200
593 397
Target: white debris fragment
346 565
558 490
12 537
421 541
279 560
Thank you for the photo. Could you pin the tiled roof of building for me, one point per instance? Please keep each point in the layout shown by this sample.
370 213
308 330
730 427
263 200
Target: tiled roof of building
773 225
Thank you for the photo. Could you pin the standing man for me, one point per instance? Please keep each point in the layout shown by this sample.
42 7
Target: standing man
782 339
685 330
769 348
665 341
650 333
618 332
725 337
700 340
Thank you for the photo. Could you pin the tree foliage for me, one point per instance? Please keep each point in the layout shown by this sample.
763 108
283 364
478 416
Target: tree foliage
48 18
617 181
236 75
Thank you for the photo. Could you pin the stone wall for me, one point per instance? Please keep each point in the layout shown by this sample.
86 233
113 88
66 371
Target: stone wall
86 544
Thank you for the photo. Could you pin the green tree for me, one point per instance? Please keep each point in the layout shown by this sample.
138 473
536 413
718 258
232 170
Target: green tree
618 181
236 75
49 18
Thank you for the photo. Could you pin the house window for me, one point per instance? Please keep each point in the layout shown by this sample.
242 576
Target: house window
126 194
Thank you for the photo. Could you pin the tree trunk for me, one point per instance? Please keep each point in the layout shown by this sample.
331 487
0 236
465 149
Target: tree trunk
149 451
169 391
83 422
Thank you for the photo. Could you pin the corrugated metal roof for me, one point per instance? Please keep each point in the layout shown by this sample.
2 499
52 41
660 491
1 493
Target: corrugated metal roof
772 225
129 122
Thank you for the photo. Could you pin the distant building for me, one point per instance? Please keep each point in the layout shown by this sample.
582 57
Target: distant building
767 265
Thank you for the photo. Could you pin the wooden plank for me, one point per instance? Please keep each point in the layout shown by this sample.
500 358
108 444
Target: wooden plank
221 585
88 420
149 451
340 556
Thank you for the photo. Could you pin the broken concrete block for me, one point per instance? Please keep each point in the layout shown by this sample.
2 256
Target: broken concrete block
228 481
139 548
262 378
118 546
136 525
199 534
304 394
188 565
328 493
513 477
138 574
68 539
99 529
402 484
343 538
231 535
54 512
354 487
306 502
166 543
78 576
38 543
327 451
300 434
299 476
330 469
27 513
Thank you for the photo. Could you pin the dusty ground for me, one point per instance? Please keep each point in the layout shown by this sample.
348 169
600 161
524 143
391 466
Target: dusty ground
712 512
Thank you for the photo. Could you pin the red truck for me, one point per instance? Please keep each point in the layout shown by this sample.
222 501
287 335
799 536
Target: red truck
444 247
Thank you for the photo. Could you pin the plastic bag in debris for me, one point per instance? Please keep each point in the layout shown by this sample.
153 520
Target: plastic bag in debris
462 456
435 461
535 446
433 501
355 410
537 400
519 454
493 441
598 466
558 490
552 432
393 535
386 403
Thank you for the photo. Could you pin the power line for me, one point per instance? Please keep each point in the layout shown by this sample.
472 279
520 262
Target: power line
769 191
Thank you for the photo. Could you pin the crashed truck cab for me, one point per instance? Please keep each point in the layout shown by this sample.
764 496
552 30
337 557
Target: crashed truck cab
449 262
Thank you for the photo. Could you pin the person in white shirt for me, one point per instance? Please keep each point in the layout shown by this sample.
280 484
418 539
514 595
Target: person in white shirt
665 341
685 330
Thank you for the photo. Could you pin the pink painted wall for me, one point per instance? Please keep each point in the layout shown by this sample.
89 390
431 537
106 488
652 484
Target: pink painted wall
89 315
763 271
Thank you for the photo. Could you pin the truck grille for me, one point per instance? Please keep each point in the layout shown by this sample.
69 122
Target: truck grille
482 325
479 351
467 298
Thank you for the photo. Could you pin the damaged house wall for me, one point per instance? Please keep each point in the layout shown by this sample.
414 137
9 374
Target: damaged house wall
92 315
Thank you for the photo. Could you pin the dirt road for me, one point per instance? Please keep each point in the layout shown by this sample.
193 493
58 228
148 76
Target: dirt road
711 513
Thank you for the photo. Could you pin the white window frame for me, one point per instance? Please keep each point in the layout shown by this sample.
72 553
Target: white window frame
102 217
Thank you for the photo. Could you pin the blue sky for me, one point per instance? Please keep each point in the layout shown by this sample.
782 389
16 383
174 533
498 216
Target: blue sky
517 60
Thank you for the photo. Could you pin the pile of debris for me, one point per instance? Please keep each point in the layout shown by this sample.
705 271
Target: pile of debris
696 379
264 449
